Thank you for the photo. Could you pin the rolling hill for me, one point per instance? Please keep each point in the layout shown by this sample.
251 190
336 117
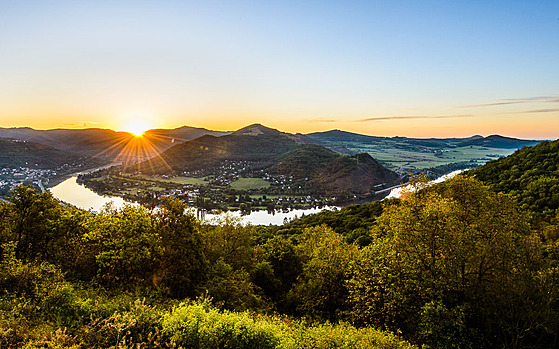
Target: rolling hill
497 141
107 144
276 153
419 154
17 153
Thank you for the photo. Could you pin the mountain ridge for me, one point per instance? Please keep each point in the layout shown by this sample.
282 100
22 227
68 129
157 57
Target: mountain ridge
276 152
105 143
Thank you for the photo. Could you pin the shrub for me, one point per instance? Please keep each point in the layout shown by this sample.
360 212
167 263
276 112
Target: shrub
200 326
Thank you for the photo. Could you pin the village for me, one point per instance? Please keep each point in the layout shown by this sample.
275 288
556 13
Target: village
12 177
234 185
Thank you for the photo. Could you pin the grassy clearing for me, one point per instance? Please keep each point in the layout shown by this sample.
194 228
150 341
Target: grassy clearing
175 180
250 183
154 188
184 180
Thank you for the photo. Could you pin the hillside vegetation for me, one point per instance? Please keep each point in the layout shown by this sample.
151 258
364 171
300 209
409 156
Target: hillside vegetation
268 151
530 175
107 144
16 153
451 265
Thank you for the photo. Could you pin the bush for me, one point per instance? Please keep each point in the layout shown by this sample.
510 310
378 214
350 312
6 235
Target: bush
200 326
342 336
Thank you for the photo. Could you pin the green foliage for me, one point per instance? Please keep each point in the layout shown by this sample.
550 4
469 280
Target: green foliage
183 264
353 222
199 325
125 245
32 223
326 336
320 290
450 265
229 240
456 244
232 289
279 269
530 175
34 281
441 327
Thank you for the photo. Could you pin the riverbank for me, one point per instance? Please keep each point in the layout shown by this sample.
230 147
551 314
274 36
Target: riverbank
54 181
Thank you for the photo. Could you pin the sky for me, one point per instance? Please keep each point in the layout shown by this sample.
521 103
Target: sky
386 68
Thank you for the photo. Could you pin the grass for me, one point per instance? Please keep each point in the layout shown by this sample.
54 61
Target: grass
185 180
393 157
250 183
156 188
175 180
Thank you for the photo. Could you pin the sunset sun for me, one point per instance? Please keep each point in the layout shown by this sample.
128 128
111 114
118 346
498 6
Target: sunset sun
137 127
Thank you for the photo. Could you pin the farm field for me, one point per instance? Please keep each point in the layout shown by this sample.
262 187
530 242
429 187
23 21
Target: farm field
249 184
397 157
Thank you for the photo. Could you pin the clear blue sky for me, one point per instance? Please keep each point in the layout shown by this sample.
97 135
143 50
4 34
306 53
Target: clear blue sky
411 68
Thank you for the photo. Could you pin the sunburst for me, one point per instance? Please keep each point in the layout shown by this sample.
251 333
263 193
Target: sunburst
137 127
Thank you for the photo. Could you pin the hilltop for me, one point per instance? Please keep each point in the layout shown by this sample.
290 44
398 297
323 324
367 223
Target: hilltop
438 155
497 141
107 144
274 152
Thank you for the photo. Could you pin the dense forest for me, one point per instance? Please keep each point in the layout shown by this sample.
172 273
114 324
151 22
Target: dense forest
458 264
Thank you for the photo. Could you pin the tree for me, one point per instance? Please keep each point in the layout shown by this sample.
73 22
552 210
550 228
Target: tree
183 265
125 244
321 289
32 223
229 240
456 244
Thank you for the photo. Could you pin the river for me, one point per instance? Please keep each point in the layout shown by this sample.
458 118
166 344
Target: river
78 195
397 192
73 193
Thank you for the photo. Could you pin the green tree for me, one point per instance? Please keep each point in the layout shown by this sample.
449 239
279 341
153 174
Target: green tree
231 241
321 290
183 265
125 245
457 243
278 270
32 223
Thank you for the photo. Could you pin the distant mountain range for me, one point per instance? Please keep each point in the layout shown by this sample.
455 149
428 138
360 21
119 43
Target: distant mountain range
496 141
107 144
493 141
277 153
394 152
420 154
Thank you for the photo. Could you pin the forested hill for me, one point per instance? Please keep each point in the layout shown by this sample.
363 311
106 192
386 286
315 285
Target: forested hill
270 151
497 141
16 153
107 144
530 175
253 143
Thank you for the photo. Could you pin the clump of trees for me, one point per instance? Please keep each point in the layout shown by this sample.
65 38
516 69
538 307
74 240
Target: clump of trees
449 265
